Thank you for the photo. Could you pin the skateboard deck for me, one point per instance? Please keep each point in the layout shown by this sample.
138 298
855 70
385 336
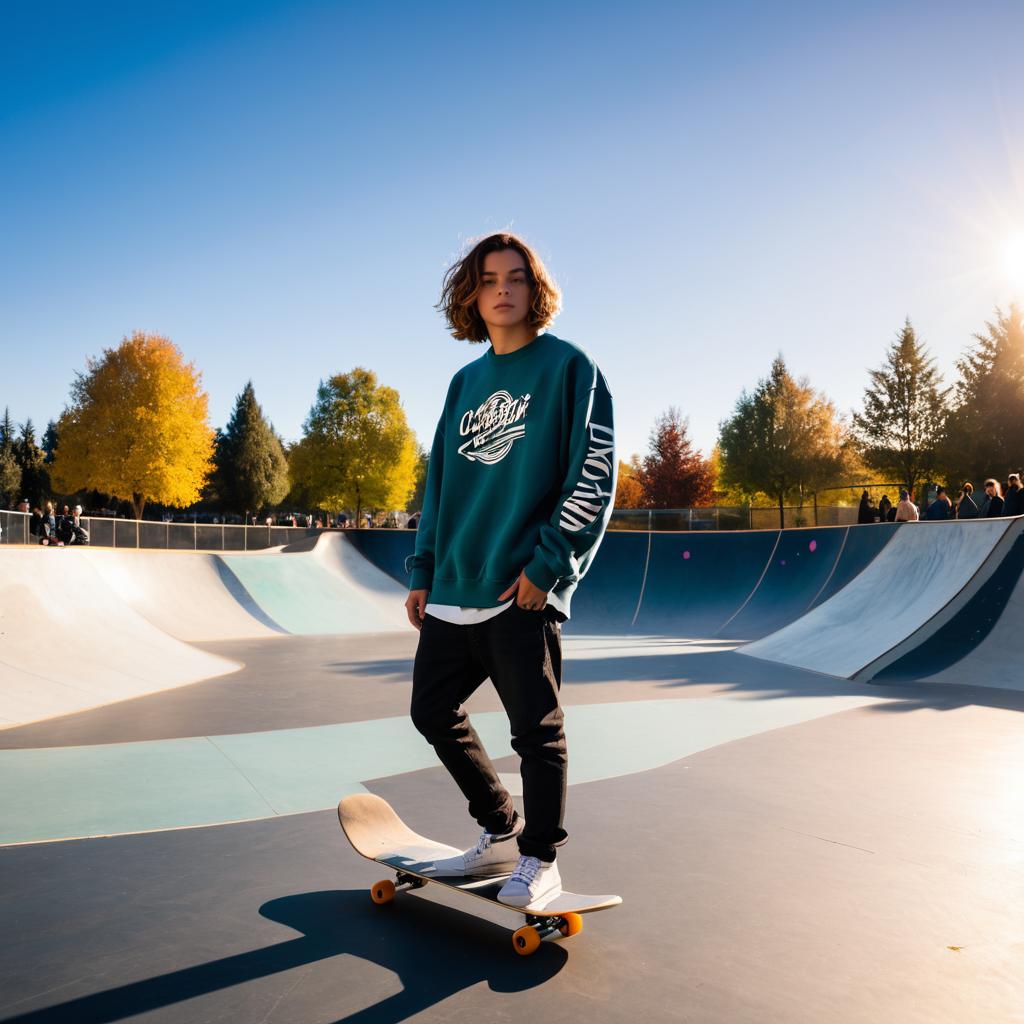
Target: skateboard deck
377 833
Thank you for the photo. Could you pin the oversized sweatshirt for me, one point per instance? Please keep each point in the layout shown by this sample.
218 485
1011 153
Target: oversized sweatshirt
521 477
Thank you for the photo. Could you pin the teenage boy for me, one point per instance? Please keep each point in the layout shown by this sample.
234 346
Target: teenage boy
520 488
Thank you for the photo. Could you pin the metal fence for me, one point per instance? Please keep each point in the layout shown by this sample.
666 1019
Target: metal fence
731 518
130 533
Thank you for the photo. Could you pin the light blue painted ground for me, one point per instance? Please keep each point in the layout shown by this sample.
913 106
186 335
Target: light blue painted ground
302 597
74 792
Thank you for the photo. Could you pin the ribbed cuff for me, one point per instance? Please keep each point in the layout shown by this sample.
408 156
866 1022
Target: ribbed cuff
539 574
421 579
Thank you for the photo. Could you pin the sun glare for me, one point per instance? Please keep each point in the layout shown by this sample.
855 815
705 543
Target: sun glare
1013 259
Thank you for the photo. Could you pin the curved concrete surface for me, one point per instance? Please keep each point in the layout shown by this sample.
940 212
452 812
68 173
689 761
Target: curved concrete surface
926 568
983 644
84 627
68 641
190 595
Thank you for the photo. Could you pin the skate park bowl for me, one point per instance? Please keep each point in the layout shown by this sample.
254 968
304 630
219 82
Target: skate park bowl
795 754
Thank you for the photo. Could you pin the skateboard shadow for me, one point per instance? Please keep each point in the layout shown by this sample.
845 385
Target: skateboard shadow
434 950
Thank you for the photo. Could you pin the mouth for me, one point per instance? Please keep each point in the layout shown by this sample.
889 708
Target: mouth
504 305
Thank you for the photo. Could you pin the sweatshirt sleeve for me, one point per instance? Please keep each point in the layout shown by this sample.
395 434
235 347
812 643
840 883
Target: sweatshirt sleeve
570 538
422 562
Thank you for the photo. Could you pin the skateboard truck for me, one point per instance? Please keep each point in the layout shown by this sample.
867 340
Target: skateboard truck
378 834
525 940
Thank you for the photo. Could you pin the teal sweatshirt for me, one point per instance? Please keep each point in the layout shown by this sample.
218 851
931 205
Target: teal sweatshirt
521 476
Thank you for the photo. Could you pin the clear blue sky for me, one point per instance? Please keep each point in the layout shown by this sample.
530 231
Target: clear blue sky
278 187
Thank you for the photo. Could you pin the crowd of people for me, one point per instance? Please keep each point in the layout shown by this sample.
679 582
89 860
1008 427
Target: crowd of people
996 502
51 528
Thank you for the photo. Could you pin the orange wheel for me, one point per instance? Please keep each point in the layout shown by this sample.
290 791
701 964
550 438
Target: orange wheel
383 892
572 924
526 940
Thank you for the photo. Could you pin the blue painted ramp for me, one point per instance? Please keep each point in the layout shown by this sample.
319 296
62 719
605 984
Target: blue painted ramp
742 585
697 581
386 549
861 546
800 566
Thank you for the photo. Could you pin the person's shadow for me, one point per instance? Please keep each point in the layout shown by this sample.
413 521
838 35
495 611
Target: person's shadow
435 950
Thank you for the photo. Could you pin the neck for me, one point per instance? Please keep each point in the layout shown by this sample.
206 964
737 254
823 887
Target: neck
508 339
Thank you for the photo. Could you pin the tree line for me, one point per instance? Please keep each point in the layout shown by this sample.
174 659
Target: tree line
784 439
136 428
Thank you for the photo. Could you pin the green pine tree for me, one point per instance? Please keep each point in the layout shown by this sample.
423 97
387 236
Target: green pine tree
35 480
984 434
900 428
7 434
50 442
251 469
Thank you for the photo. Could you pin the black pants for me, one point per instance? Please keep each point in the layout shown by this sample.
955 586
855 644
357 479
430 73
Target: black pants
521 652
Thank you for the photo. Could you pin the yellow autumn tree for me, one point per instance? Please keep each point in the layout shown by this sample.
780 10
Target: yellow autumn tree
137 426
628 491
358 451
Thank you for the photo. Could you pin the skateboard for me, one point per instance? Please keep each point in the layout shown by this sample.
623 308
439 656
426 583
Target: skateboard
377 833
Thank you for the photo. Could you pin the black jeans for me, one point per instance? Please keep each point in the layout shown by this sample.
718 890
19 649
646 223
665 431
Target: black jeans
521 651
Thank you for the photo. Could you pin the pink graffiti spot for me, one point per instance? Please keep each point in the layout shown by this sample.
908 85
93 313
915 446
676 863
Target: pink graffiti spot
782 561
813 545
686 555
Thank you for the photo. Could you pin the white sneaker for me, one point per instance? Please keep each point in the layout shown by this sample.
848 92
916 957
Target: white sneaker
492 855
534 882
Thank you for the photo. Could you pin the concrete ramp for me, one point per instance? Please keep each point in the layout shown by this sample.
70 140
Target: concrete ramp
983 644
68 641
910 590
191 595
329 590
90 626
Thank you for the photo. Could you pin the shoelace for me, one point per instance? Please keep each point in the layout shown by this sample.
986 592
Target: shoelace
526 870
483 845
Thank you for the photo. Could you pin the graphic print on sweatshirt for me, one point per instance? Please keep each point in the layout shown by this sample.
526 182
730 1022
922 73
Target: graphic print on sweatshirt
593 490
493 427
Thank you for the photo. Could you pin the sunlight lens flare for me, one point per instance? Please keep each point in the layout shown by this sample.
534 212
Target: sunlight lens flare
1013 260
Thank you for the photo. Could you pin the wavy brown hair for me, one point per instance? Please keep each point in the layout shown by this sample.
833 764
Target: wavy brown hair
462 287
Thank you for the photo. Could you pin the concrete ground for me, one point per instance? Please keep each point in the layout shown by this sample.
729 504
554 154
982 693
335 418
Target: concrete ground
788 846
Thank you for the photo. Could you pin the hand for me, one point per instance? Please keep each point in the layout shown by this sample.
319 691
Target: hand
527 595
416 607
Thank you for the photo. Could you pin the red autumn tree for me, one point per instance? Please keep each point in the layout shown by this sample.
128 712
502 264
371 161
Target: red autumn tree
674 474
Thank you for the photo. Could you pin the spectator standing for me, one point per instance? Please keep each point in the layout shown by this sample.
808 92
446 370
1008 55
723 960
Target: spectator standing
35 526
866 512
1013 503
886 513
906 510
65 526
965 506
941 508
994 505
50 524
81 534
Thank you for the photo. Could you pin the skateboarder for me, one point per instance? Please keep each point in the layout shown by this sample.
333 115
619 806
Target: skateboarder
520 488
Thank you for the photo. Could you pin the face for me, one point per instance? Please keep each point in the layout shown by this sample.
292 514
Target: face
504 299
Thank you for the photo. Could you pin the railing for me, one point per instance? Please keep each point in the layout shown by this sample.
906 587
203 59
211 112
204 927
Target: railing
731 518
131 533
